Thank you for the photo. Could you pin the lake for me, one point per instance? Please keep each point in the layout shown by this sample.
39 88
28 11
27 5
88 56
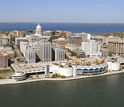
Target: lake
74 28
106 91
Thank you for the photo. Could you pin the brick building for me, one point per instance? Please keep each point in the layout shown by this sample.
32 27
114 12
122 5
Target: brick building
116 47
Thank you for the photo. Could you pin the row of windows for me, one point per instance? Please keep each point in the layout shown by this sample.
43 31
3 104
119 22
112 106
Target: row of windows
35 70
97 70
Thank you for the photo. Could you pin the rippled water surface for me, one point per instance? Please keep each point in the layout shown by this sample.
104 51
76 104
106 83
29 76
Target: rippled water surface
106 91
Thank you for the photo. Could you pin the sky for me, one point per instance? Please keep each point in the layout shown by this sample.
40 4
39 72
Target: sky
76 11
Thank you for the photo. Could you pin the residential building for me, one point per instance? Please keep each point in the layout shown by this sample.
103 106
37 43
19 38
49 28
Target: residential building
116 47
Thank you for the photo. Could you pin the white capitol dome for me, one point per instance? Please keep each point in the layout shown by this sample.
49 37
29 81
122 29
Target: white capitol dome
38 28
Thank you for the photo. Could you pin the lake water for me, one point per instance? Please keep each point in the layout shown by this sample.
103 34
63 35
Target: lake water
106 91
75 28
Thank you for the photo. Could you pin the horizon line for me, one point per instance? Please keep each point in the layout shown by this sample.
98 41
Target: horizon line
60 23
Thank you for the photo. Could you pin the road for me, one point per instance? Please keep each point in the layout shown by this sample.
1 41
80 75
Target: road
16 50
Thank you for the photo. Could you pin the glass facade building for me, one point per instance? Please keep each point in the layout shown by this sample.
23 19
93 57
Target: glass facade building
91 70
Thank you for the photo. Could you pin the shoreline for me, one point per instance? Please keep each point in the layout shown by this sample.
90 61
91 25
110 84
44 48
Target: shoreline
12 81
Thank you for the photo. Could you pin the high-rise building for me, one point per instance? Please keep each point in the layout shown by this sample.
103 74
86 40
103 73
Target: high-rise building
23 47
59 54
46 51
91 48
30 55
3 60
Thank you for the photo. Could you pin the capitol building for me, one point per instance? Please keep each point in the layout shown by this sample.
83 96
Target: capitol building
38 30
38 33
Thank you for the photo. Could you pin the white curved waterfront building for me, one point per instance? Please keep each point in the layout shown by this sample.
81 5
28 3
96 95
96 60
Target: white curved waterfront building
19 75
81 70
66 71
113 66
96 69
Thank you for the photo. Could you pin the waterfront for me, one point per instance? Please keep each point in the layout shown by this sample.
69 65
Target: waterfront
12 81
74 28
106 91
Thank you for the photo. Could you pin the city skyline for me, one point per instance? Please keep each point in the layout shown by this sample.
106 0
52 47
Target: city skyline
66 11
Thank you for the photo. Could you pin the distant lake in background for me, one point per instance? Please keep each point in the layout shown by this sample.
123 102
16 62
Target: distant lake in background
74 28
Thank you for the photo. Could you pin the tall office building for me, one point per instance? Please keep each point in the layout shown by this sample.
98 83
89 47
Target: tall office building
59 54
46 51
30 55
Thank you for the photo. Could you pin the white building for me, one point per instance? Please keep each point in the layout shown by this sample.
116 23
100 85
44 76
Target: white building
23 48
91 48
22 70
38 33
39 30
30 55
66 71
113 66
59 54
21 39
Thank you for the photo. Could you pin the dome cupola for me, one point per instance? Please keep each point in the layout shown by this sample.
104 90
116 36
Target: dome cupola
38 29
